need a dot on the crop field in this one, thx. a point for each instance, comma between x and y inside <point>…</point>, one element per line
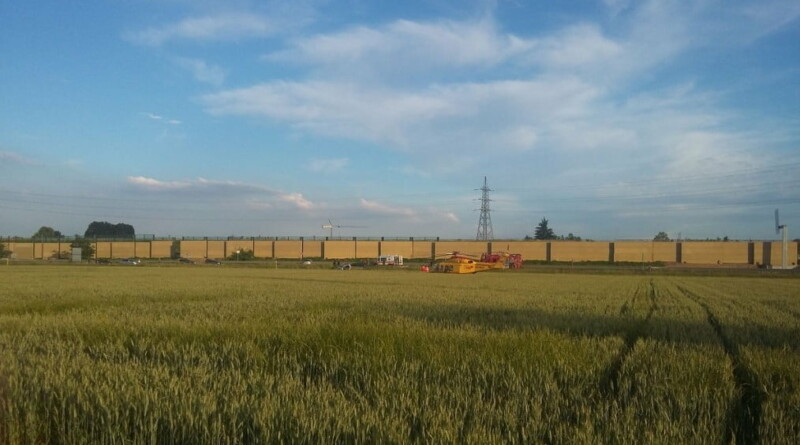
<point>225,355</point>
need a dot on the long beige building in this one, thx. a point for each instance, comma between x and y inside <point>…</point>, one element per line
<point>688,252</point>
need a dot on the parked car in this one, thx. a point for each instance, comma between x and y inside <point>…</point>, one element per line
<point>102,261</point>
<point>213,261</point>
<point>130,261</point>
<point>185,260</point>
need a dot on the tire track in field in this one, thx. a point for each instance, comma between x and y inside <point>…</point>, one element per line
<point>5,418</point>
<point>609,382</point>
<point>745,415</point>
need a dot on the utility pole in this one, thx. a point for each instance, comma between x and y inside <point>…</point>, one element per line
<point>485,221</point>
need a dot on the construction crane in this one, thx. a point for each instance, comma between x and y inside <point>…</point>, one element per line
<point>330,226</point>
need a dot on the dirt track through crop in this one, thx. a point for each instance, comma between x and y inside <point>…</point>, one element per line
<point>745,414</point>
<point>609,381</point>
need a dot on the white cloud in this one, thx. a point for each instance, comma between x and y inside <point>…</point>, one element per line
<point>327,165</point>
<point>406,44</point>
<point>199,186</point>
<point>230,26</point>
<point>253,195</point>
<point>577,46</point>
<point>297,200</point>
<point>384,209</point>
<point>487,116</point>
<point>156,185</point>
<point>707,153</point>
<point>160,118</point>
<point>617,6</point>
<point>575,93</point>
<point>416,216</point>
<point>202,71</point>
<point>450,216</point>
<point>155,117</point>
<point>9,157</point>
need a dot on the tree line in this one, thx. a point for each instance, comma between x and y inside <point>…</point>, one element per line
<point>544,232</point>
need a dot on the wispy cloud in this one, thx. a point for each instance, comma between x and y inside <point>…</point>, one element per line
<point>408,214</point>
<point>566,91</point>
<point>202,71</point>
<point>11,158</point>
<point>195,185</point>
<point>385,209</point>
<point>229,26</point>
<point>160,118</point>
<point>254,195</point>
<point>297,199</point>
<point>406,45</point>
<point>488,116</point>
<point>327,165</point>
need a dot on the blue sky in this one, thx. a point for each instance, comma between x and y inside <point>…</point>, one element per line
<point>614,119</point>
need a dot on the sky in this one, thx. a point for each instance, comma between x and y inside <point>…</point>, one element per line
<point>612,119</point>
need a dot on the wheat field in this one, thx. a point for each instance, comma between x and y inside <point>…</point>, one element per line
<point>223,355</point>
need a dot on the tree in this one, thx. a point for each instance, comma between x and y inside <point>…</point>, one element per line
<point>543,232</point>
<point>661,236</point>
<point>105,229</point>
<point>86,247</point>
<point>47,232</point>
<point>242,255</point>
<point>3,252</point>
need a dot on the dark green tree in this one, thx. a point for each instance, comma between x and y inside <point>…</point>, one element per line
<point>543,232</point>
<point>3,252</point>
<point>87,251</point>
<point>661,236</point>
<point>104,229</point>
<point>243,255</point>
<point>47,232</point>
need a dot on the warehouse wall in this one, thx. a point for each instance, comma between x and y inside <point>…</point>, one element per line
<point>312,249</point>
<point>193,249</point>
<point>102,249</point>
<point>692,252</point>
<point>634,251</point>
<point>289,249</point>
<point>215,249</point>
<point>773,253</point>
<point>50,250</point>
<point>530,250</point>
<point>421,249</point>
<point>468,247</point>
<point>735,252</point>
<point>243,244</point>
<point>701,252</point>
<point>579,251</point>
<point>123,250</point>
<point>366,249</point>
<point>665,251</point>
<point>404,248</point>
<point>340,249</point>
<point>160,249</point>
<point>142,250</point>
<point>23,251</point>
<point>262,249</point>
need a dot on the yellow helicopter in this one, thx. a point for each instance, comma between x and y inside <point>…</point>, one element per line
<point>462,263</point>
